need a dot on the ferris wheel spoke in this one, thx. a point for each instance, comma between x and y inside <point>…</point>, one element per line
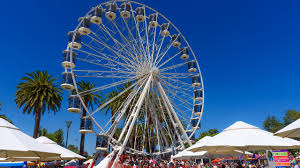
<point>168,60</point>
<point>175,95</point>
<point>127,42</point>
<point>112,49</point>
<point>165,50</point>
<point>172,67</point>
<point>177,75</point>
<point>104,57</point>
<point>133,39</point>
<point>103,72</point>
<point>178,88</point>
<point>128,50</point>
<point>158,52</point>
<point>184,84</point>
<point>105,66</point>
<point>139,35</point>
<point>115,52</point>
<point>147,29</point>
<point>106,86</point>
<point>104,76</point>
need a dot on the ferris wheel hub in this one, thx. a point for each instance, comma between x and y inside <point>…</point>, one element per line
<point>155,71</point>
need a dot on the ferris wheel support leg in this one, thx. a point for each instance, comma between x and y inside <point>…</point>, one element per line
<point>173,122</point>
<point>174,113</point>
<point>135,115</point>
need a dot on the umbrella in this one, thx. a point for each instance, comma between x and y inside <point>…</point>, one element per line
<point>292,130</point>
<point>65,154</point>
<point>245,137</point>
<point>15,143</point>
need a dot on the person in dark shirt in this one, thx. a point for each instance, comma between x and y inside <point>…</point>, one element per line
<point>239,165</point>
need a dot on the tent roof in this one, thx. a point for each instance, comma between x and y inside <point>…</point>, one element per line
<point>291,130</point>
<point>243,136</point>
<point>65,154</point>
<point>240,125</point>
<point>15,143</point>
<point>6,124</point>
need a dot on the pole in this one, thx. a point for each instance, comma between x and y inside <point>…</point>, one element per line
<point>68,123</point>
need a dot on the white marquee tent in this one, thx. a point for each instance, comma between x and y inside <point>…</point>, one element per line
<point>15,144</point>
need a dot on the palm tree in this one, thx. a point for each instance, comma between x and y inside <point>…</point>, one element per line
<point>90,99</point>
<point>4,116</point>
<point>37,93</point>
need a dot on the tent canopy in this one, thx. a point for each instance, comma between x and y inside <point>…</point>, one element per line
<point>15,143</point>
<point>65,154</point>
<point>244,137</point>
<point>292,130</point>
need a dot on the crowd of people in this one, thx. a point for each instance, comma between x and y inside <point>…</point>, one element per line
<point>173,163</point>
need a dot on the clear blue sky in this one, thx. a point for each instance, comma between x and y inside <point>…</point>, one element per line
<point>249,52</point>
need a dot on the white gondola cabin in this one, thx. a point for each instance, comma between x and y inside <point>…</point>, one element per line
<point>125,10</point>
<point>192,66</point>
<point>111,11</point>
<point>96,17</point>
<point>198,95</point>
<point>184,53</point>
<point>196,80</point>
<point>102,143</point>
<point>69,59</point>
<point>86,126</point>
<point>153,20</point>
<point>176,40</point>
<point>74,104</point>
<point>165,29</point>
<point>189,134</point>
<point>67,81</point>
<point>85,24</point>
<point>194,122</point>
<point>140,14</point>
<point>197,109</point>
<point>76,44</point>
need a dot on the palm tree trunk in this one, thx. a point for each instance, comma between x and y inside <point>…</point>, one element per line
<point>37,123</point>
<point>81,149</point>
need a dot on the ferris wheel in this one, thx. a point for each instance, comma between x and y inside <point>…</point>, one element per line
<point>132,50</point>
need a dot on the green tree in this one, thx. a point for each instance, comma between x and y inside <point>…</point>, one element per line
<point>290,116</point>
<point>73,148</point>
<point>42,132</point>
<point>272,124</point>
<point>37,93</point>
<point>57,136</point>
<point>210,132</point>
<point>4,116</point>
<point>91,97</point>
